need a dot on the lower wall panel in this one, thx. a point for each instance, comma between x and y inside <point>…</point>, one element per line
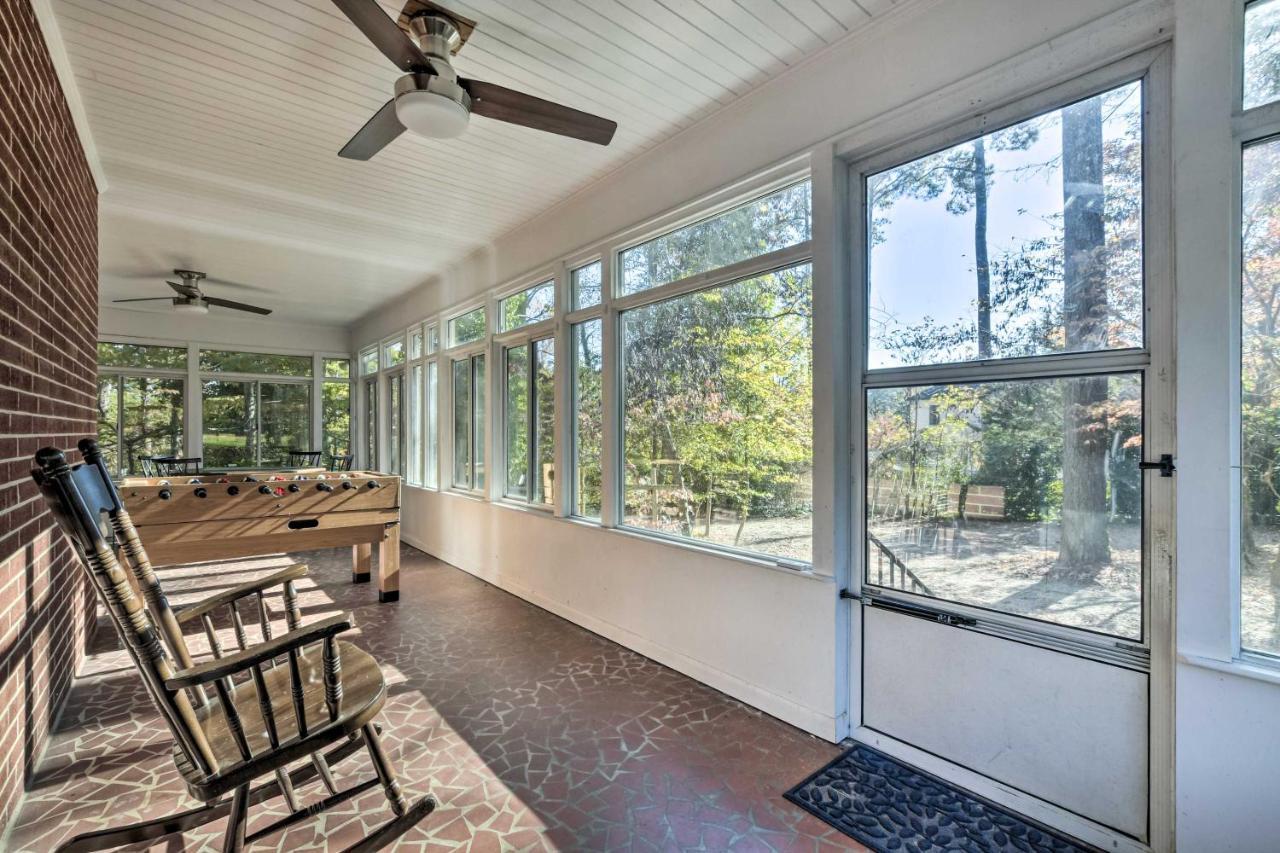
<point>757,634</point>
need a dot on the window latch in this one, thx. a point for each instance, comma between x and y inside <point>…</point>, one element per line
<point>1164,465</point>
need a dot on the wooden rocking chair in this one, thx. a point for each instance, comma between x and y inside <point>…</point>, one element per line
<point>238,717</point>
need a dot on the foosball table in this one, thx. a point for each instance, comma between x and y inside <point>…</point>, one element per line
<point>220,516</point>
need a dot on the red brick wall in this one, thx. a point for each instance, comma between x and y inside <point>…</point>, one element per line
<point>48,327</point>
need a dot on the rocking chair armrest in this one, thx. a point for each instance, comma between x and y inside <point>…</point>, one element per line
<point>219,668</point>
<point>235,593</point>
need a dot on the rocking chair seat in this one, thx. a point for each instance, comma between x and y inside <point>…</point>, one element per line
<point>363,694</point>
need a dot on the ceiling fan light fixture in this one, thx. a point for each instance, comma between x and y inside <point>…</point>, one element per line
<point>194,306</point>
<point>431,114</point>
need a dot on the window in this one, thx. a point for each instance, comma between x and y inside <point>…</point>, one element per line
<point>1261,53</point>
<point>254,423</point>
<point>962,269</point>
<point>371,424</point>
<point>776,221</point>
<point>414,473</point>
<point>433,340</point>
<point>718,415</point>
<point>586,282</point>
<point>139,416</point>
<point>431,476</point>
<point>337,368</point>
<point>468,327</point>
<point>530,421</point>
<point>369,361</point>
<point>468,422</point>
<point>415,342</point>
<point>393,353</point>
<point>141,356</point>
<point>1260,399</point>
<point>588,422</point>
<point>336,417</point>
<point>267,364</point>
<point>396,422</point>
<point>533,305</point>
<point>1021,496</point>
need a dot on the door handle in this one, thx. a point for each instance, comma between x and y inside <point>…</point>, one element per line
<point>926,613</point>
<point>1164,465</point>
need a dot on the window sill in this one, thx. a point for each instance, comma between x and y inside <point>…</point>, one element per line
<point>1236,667</point>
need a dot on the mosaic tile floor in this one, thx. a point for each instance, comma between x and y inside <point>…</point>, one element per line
<point>532,733</point>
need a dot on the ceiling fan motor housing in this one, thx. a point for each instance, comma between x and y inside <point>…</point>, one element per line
<point>433,104</point>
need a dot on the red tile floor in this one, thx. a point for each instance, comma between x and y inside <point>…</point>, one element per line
<point>532,733</point>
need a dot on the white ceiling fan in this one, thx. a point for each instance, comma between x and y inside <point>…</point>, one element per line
<point>191,300</point>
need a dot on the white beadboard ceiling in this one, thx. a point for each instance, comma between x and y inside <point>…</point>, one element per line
<point>218,126</point>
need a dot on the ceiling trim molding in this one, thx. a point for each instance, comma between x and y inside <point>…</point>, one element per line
<point>48,22</point>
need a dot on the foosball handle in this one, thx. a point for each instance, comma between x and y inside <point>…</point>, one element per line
<point>233,490</point>
<point>165,494</point>
<point>264,489</point>
<point>201,493</point>
<point>323,487</point>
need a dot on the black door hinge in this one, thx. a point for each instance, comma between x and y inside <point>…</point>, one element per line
<point>1164,465</point>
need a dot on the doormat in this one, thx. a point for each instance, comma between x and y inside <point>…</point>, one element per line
<point>894,808</point>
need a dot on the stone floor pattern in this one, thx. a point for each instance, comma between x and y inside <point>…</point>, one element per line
<point>532,733</point>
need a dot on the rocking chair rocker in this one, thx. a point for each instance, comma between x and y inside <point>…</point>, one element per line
<point>238,717</point>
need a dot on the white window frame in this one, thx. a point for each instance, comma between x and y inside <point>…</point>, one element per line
<point>121,373</point>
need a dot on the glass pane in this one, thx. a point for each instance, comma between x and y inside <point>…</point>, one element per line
<point>414,433</point>
<point>432,474</point>
<point>230,418</point>
<point>141,355</point>
<point>1021,496</point>
<point>1261,53</point>
<point>586,282</point>
<point>369,361</point>
<point>718,415</point>
<point>393,353</point>
<point>371,425</point>
<point>221,361</point>
<point>1260,399</point>
<point>433,340</point>
<point>286,421</point>
<point>336,404</point>
<point>517,421</point>
<point>395,422</point>
<point>415,343</point>
<point>528,306</point>
<point>467,328</point>
<point>462,423</point>
<point>588,407</point>
<point>544,424</point>
<point>337,368</point>
<point>152,413</point>
<point>755,228</point>
<point>1022,242</point>
<point>479,419</point>
<point>109,420</point>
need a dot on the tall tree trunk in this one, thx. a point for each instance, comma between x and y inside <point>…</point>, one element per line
<point>1084,548</point>
<point>981,262</point>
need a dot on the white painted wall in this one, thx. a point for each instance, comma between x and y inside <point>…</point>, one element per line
<point>769,638</point>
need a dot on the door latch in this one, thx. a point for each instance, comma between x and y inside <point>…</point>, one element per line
<point>1164,465</point>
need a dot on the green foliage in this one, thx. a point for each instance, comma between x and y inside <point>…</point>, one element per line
<point>141,356</point>
<point>265,364</point>
<point>468,327</point>
<point>528,306</point>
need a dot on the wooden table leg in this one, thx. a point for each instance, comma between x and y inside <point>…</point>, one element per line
<point>389,565</point>
<point>361,562</point>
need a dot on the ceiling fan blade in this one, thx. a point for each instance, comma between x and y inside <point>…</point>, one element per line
<point>186,290</point>
<point>147,299</point>
<point>238,306</point>
<point>375,135</point>
<point>509,105</point>
<point>385,35</point>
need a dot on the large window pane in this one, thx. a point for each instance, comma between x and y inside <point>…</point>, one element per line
<point>1261,53</point>
<point>1025,241</point>
<point>395,422</point>
<point>1260,399</point>
<point>371,424</point>
<point>462,411</point>
<point>369,361</point>
<point>528,306</point>
<point>467,327</point>
<point>414,430</point>
<point>478,418</point>
<point>222,361</point>
<point>141,355</point>
<point>109,420</point>
<point>588,425</point>
<point>1021,496</point>
<point>431,477</point>
<point>544,420</point>
<point>393,353</point>
<point>230,423</point>
<point>285,421</point>
<point>336,414</point>
<point>152,411</point>
<point>767,224</point>
<point>337,368</point>
<point>517,421</point>
<point>718,415</point>
<point>585,283</point>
